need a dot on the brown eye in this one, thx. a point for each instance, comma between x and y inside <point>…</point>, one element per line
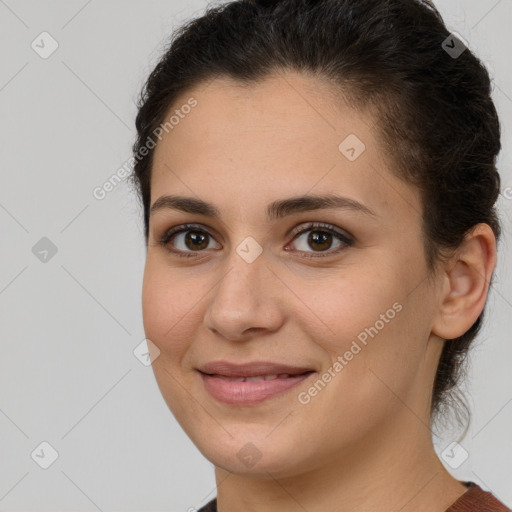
<point>185,240</point>
<point>320,239</point>
<point>196,240</point>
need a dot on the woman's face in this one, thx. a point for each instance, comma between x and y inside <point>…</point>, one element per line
<point>338,290</point>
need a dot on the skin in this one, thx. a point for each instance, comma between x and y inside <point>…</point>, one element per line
<point>363,442</point>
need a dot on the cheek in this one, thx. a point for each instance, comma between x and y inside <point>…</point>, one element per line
<point>167,306</point>
<point>169,315</point>
<point>350,307</point>
<point>370,328</point>
<point>371,362</point>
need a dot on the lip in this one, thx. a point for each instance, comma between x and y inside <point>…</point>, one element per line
<point>219,381</point>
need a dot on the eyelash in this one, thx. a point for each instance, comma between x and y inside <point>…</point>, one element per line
<point>311,226</point>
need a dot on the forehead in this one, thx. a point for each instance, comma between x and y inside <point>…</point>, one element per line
<point>284,111</point>
<point>285,135</point>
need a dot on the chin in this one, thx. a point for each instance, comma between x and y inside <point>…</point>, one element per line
<point>254,455</point>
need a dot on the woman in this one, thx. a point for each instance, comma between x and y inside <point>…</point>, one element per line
<point>318,182</point>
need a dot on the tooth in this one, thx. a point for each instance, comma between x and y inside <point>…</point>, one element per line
<point>283,376</point>
<point>230,379</point>
<point>254,379</point>
<point>270,377</point>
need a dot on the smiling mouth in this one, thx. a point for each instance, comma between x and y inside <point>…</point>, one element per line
<point>251,390</point>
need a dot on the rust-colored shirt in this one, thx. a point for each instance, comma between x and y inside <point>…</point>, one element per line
<point>475,499</point>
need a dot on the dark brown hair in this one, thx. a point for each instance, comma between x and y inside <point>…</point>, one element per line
<point>437,122</point>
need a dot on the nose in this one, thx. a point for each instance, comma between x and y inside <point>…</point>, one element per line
<point>245,301</point>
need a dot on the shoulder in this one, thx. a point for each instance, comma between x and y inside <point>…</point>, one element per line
<point>475,499</point>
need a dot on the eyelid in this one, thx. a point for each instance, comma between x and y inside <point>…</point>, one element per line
<point>311,226</point>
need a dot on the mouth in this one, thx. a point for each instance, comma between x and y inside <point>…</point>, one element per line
<point>251,383</point>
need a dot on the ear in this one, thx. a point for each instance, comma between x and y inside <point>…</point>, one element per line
<point>465,283</point>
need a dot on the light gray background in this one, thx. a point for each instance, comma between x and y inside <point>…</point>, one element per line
<point>68,327</point>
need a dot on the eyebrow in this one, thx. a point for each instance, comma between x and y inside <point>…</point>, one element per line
<point>275,210</point>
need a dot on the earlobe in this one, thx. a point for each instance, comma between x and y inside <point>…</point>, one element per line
<point>466,283</point>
